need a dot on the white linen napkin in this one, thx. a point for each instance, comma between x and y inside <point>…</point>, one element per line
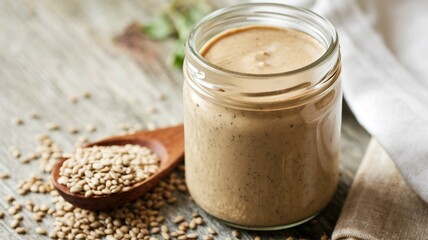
<point>384,46</point>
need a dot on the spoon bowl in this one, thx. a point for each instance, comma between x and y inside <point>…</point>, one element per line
<point>167,143</point>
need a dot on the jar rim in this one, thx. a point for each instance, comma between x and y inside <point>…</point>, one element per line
<point>331,49</point>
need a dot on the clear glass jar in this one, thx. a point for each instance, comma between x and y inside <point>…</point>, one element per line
<point>262,149</point>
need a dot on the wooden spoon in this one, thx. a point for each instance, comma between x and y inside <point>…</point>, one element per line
<point>167,143</point>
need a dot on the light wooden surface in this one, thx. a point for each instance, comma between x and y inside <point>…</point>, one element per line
<point>51,50</point>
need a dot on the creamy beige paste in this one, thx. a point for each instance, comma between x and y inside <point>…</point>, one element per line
<point>262,169</point>
<point>262,50</point>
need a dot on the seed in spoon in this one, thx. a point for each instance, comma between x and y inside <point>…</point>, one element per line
<point>119,167</point>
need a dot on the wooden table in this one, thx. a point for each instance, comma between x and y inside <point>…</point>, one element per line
<point>54,50</point>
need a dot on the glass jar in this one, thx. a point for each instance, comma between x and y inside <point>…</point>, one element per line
<point>262,149</point>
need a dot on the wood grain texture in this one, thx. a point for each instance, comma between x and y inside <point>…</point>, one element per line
<point>52,50</point>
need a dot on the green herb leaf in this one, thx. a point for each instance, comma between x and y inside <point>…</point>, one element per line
<point>177,20</point>
<point>177,58</point>
<point>160,29</point>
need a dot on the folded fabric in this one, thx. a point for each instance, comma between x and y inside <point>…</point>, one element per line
<point>385,76</point>
<point>380,205</point>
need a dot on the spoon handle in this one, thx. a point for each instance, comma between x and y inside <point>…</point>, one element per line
<point>170,139</point>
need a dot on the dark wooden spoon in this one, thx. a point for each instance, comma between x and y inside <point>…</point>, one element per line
<point>167,143</point>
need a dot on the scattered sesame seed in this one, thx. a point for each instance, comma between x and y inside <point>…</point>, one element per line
<point>212,231</point>
<point>74,99</point>
<point>162,96</point>
<point>183,237</point>
<point>34,116</point>
<point>4,175</point>
<point>164,229</point>
<point>91,128</point>
<point>87,94</point>
<point>178,219</point>
<point>17,121</point>
<point>191,236</point>
<point>21,230</point>
<point>324,237</point>
<point>52,127</point>
<point>15,223</point>
<point>38,216</point>
<point>199,221</point>
<point>236,234</point>
<point>165,236</point>
<point>73,130</point>
<point>192,224</point>
<point>155,230</point>
<point>41,231</point>
<point>18,216</point>
<point>14,151</point>
<point>9,198</point>
<point>153,110</point>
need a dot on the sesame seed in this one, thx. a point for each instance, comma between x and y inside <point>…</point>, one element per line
<point>73,130</point>
<point>87,94</point>
<point>17,121</point>
<point>4,175</point>
<point>236,234</point>
<point>178,219</point>
<point>165,236</point>
<point>40,231</point>
<point>52,126</point>
<point>15,223</point>
<point>74,99</point>
<point>191,236</point>
<point>211,231</point>
<point>9,198</point>
<point>21,230</point>
<point>91,128</point>
<point>155,230</point>
<point>34,116</point>
<point>18,216</point>
<point>199,221</point>
<point>161,96</point>
<point>164,229</point>
<point>15,152</point>
<point>153,110</point>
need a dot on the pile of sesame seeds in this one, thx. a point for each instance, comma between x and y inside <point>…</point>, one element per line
<point>103,170</point>
<point>140,219</point>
